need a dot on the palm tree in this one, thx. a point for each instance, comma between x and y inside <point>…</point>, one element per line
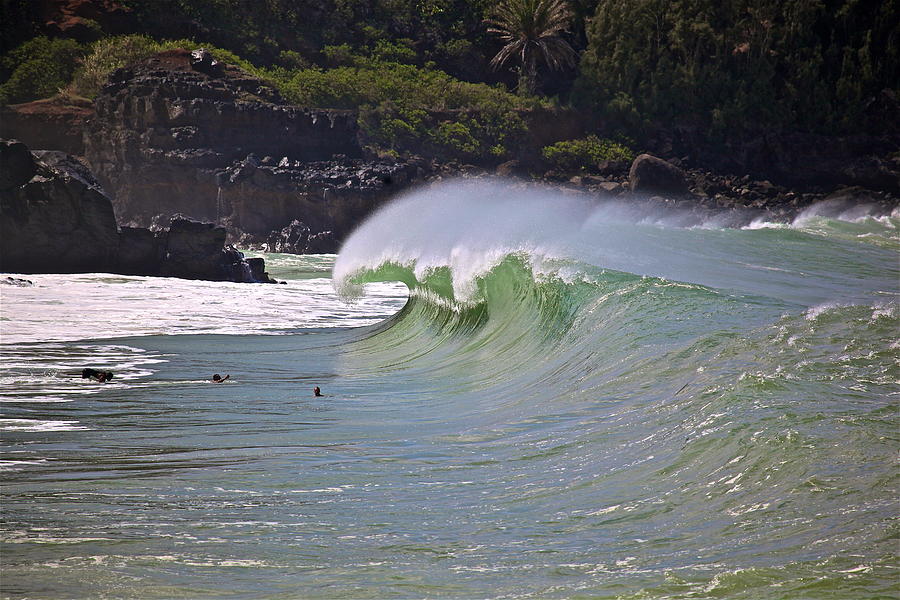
<point>532,30</point>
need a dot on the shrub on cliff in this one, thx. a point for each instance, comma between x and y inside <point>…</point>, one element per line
<point>370,80</point>
<point>108,54</point>
<point>486,134</point>
<point>40,68</point>
<point>405,107</point>
<point>585,153</point>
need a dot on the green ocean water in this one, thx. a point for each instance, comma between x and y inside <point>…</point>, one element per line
<point>575,401</point>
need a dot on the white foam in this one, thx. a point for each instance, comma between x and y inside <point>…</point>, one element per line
<point>38,425</point>
<point>814,312</point>
<point>469,227</point>
<point>63,307</point>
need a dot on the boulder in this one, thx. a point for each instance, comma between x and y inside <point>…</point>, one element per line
<point>652,175</point>
<point>512,168</point>
<point>141,251</point>
<point>202,60</point>
<point>194,250</point>
<point>257,271</point>
<point>611,187</point>
<point>54,221</point>
<point>297,238</point>
<point>58,220</point>
<point>16,164</point>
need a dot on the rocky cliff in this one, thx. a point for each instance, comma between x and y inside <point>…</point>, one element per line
<point>180,133</point>
<point>56,123</point>
<point>55,218</point>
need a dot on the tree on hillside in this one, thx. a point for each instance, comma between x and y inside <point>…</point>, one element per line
<point>532,31</point>
<point>735,67</point>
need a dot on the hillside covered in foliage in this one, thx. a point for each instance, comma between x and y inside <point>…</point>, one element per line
<point>453,78</point>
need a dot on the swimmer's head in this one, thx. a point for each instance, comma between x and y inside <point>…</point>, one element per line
<point>217,377</point>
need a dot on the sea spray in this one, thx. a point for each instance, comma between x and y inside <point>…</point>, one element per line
<point>470,227</point>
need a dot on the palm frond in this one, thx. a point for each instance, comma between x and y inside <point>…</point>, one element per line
<point>532,26</point>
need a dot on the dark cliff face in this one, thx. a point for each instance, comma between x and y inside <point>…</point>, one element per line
<point>327,196</point>
<point>55,123</point>
<point>168,134</point>
<point>53,217</point>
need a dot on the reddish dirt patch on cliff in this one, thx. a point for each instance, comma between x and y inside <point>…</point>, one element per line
<point>180,59</point>
<point>57,105</point>
<point>170,60</point>
<point>79,18</point>
<point>51,124</point>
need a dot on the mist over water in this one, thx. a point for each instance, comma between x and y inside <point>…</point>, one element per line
<point>561,399</point>
<point>471,227</point>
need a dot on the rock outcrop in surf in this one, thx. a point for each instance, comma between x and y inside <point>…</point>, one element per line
<point>56,218</point>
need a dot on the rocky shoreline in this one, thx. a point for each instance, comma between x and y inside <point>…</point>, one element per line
<point>55,218</point>
<point>179,134</point>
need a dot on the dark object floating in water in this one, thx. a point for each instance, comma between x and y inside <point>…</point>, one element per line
<point>101,376</point>
<point>17,282</point>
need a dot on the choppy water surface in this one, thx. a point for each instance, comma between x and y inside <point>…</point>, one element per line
<point>574,401</point>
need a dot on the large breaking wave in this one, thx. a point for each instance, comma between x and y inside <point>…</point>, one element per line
<point>723,391</point>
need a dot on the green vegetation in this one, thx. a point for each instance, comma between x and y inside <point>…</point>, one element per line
<point>584,154</point>
<point>374,79</point>
<point>107,55</point>
<point>489,134</point>
<point>413,108</point>
<point>432,76</point>
<point>737,66</point>
<point>532,33</point>
<point>39,68</point>
<point>447,32</point>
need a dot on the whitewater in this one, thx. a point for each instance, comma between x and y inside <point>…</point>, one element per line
<point>527,394</point>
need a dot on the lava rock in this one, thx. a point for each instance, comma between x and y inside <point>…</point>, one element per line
<point>16,164</point>
<point>650,174</point>
<point>53,221</point>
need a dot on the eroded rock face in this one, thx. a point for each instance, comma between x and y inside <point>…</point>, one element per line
<point>55,218</point>
<point>55,123</point>
<point>165,127</point>
<point>653,175</point>
<point>54,221</point>
<point>327,196</point>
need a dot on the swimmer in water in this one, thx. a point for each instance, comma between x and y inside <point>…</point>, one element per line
<point>101,376</point>
<point>219,379</point>
<point>317,391</point>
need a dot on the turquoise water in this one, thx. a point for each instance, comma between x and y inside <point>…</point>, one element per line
<point>574,401</point>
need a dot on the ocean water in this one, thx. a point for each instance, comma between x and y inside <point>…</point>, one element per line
<point>525,396</point>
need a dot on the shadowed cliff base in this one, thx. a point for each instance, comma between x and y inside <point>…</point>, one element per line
<point>55,218</point>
